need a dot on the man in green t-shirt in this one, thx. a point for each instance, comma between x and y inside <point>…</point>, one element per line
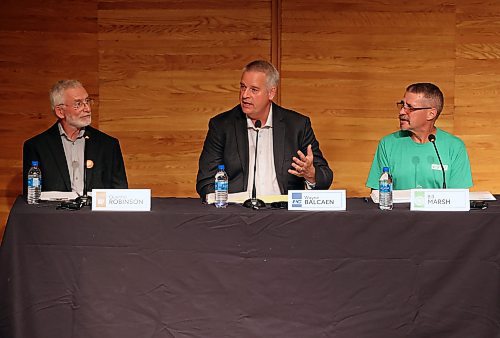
<point>410,155</point>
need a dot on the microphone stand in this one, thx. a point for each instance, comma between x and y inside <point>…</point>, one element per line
<point>254,202</point>
<point>85,199</point>
<point>432,139</point>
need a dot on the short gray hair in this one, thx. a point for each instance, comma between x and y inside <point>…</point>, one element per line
<point>431,92</point>
<point>56,93</point>
<point>266,67</point>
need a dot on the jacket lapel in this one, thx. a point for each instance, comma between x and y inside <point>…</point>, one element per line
<point>57,150</point>
<point>240,129</point>
<point>279,145</point>
<point>91,147</point>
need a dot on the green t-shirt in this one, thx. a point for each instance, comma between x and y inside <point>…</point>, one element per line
<point>416,165</point>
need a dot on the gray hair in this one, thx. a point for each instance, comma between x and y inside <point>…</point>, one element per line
<point>272,75</point>
<point>56,93</point>
<point>431,92</point>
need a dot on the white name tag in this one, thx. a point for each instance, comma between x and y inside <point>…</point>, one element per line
<point>316,200</point>
<point>438,167</point>
<point>439,200</point>
<point>121,199</point>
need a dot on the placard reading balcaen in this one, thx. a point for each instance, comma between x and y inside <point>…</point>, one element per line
<point>316,200</point>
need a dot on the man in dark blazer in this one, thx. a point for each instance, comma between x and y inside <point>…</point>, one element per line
<point>62,149</point>
<point>295,158</point>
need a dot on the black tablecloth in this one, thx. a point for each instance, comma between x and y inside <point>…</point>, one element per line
<point>191,270</point>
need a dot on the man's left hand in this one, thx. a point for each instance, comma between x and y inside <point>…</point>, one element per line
<point>303,165</point>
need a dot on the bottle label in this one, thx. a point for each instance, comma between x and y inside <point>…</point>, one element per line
<point>385,187</point>
<point>221,185</point>
<point>34,182</point>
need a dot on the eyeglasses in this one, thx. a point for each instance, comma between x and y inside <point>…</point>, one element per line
<point>79,104</point>
<point>409,109</point>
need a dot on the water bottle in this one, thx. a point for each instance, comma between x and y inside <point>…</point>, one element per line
<point>34,183</point>
<point>385,190</point>
<point>221,187</point>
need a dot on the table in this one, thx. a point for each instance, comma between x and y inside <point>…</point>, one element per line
<point>190,270</point>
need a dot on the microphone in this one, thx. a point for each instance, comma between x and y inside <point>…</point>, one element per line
<point>85,200</point>
<point>432,139</point>
<point>254,202</point>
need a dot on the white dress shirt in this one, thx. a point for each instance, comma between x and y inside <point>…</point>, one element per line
<point>266,182</point>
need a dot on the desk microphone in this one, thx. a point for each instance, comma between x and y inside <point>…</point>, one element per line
<point>432,139</point>
<point>254,202</point>
<point>85,199</point>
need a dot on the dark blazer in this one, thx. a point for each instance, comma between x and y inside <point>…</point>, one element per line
<point>47,148</point>
<point>227,143</point>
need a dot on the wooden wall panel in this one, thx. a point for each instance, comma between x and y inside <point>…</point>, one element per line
<point>165,68</point>
<point>477,84</point>
<point>345,64</point>
<point>40,43</point>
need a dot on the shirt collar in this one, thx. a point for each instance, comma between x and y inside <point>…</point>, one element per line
<point>63,133</point>
<point>269,122</point>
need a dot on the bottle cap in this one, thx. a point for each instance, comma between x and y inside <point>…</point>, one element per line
<point>34,163</point>
<point>385,169</point>
<point>220,167</point>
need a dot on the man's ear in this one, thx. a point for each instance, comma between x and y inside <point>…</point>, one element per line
<point>272,93</point>
<point>58,110</point>
<point>432,114</point>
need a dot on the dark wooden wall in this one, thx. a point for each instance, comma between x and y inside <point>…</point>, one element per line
<point>161,69</point>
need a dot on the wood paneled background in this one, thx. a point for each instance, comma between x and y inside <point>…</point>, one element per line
<point>161,69</point>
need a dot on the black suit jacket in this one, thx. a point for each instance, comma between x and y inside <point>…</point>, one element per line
<point>227,143</point>
<point>47,148</point>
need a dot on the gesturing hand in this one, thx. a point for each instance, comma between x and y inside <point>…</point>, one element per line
<point>303,165</point>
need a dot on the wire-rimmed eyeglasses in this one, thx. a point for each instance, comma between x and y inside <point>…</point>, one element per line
<point>409,109</point>
<point>79,104</point>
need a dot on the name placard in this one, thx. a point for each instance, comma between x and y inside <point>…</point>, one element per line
<point>439,200</point>
<point>121,199</point>
<point>317,200</point>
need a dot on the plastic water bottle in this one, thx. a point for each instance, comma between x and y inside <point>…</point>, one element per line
<point>221,187</point>
<point>385,190</point>
<point>34,183</point>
